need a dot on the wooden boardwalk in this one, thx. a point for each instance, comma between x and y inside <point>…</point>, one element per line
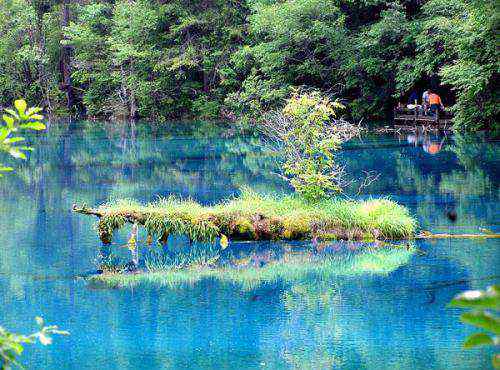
<point>407,116</point>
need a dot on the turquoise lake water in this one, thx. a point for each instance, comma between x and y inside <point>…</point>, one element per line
<point>391,319</point>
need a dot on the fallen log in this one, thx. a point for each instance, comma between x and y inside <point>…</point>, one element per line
<point>258,228</point>
<point>457,236</point>
<point>255,217</point>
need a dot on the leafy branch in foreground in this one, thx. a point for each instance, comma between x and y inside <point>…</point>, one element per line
<point>12,345</point>
<point>15,120</point>
<point>305,135</point>
<point>482,316</point>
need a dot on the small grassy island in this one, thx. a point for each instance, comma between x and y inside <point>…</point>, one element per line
<point>304,135</point>
<point>257,217</point>
<point>251,217</point>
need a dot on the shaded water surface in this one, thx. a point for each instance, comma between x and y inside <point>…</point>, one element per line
<point>395,317</point>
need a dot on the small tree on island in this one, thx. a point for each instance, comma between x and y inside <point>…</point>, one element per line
<point>305,135</point>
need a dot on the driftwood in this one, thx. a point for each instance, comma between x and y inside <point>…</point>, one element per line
<point>457,236</point>
<point>131,217</point>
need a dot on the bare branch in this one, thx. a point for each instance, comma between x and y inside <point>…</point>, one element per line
<point>370,177</point>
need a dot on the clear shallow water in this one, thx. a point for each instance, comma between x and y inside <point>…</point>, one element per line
<point>374,321</point>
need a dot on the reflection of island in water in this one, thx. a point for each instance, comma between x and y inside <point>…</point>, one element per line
<point>308,279</point>
<point>333,305</point>
<point>253,264</point>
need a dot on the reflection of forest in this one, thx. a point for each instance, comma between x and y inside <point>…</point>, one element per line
<point>144,161</point>
<point>307,321</point>
<point>348,322</point>
<point>192,160</point>
<point>462,176</point>
<point>314,322</point>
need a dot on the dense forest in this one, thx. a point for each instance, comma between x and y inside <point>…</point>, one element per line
<point>215,59</point>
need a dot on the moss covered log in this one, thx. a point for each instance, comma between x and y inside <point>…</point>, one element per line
<point>257,217</point>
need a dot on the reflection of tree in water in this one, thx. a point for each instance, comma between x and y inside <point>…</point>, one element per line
<point>309,286</point>
<point>346,322</point>
<point>317,332</point>
<point>91,162</point>
<point>473,153</point>
<point>129,158</point>
<point>402,313</point>
<point>453,179</point>
<point>311,308</point>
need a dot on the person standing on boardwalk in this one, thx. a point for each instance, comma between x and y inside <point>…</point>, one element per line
<point>435,103</point>
<point>425,101</point>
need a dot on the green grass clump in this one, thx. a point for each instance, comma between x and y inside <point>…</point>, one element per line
<point>253,216</point>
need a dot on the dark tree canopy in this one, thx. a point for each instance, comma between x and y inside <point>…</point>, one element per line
<point>213,59</point>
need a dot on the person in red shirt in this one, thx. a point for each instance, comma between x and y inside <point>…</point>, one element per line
<point>435,103</point>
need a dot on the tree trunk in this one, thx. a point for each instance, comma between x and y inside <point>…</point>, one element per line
<point>206,82</point>
<point>42,70</point>
<point>65,58</point>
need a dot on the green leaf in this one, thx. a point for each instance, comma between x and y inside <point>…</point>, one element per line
<point>9,120</point>
<point>12,140</point>
<point>33,110</point>
<point>224,242</point>
<point>16,153</point>
<point>21,106</point>
<point>489,299</point>
<point>483,320</point>
<point>16,348</point>
<point>6,169</point>
<point>33,126</point>
<point>478,339</point>
<point>12,112</point>
<point>4,132</point>
<point>36,116</point>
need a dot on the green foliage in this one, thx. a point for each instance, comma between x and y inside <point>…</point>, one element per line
<point>376,62</point>
<point>485,306</point>
<point>292,43</point>
<point>25,60</point>
<point>235,59</point>
<point>313,173</point>
<point>255,97</point>
<point>12,344</point>
<point>15,120</point>
<point>154,60</point>
<point>305,135</point>
<point>457,42</point>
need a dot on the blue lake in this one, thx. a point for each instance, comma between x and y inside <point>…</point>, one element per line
<point>371,321</point>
